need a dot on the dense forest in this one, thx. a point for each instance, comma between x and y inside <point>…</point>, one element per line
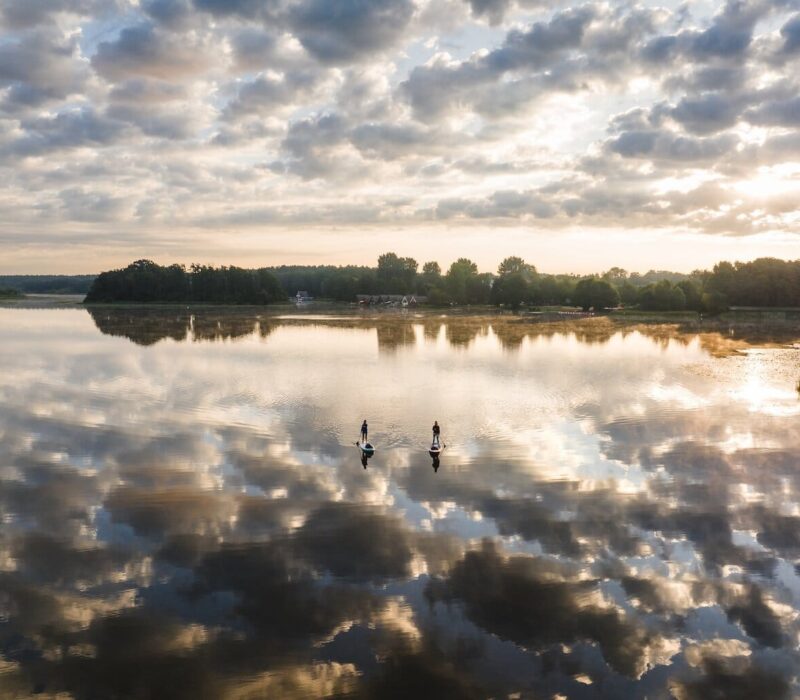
<point>766,282</point>
<point>48,284</point>
<point>145,281</point>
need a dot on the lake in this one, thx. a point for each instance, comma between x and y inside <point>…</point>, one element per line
<point>185,513</point>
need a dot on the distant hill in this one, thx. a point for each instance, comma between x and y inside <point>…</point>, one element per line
<point>48,284</point>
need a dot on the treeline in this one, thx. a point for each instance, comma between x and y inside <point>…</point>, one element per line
<point>461,284</point>
<point>48,284</point>
<point>766,282</point>
<point>145,281</point>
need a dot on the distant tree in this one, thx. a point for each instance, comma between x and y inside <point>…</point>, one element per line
<point>432,269</point>
<point>662,296</point>
<point>714,302</point>
<point>628,293</point>
<point>342,286</point>
<point>516,265</point>
<point>510,289</point>
<point>459,277</point>
<point>396,275</point>
<point>595,293</point>
<point>693,294</point>
<point>431,277</point>
<point>616,275</point>
<point>722,279</point>
<point>555,289</point>
<point>145,281</point>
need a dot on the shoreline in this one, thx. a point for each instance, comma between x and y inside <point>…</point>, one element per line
<point>726,333</point>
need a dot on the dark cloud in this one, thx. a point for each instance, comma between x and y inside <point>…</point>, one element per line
<point>19,15</point>
<point>142,91</point>
<point>493,10</point>
<point>39,67</point>
<point>342,31</point>
<point>563,54</point>
<point>255,48</point>
<point>80,204</point>
<point>738,679</point>
<point>791,35</point>
<point>388,141</point>
<point>278,598</point>
<point>267,94</point>
<point>756,617</point>
<point>249,9</point>
<point>175,14</point>
<point>784,113</point>
<point>143,50</point>
<point>356,542</point>
<point>707,114</point>
<point>544,608</point>
<point>46,559</point>
<point>66,130</point>
<point>727,38</point>
<point>668,146</point>
<point>171,511</point>
<point>310,144</point>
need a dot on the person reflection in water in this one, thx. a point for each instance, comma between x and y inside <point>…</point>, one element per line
<point>364,460</point>
<point>435,464</point>
<point>364,431</point>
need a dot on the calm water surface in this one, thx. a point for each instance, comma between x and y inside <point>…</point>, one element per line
<point>185,513</point>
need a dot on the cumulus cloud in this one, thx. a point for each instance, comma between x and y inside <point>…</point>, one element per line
<point>64,131</point>
<point>39,67</point>
<point>143,50</point>
<point>21,15</point>
<point>342,31</point>
<point>475,110</point>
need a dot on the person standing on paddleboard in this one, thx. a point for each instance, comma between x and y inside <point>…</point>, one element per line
<point>364,431</point>
<point>436,431</point>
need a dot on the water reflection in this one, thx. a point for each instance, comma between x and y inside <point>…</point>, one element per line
<point>616,514</point>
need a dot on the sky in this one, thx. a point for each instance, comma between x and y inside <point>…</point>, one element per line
<point>259,132</point>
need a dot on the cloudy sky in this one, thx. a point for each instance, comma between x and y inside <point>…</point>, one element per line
<point>650,135</point>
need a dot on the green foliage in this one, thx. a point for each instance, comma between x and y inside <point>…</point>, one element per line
<point>516,284</point>
<point>628,293</point>
<point>432,270</point>
<point>48,284</point>
<point>616,275</point>
<point>396,275</point>
<point>762,282</point>
<point>511,289</point>
<point>145,281</point>
<point>464,285</point>
<point>655,276</point>
<point>595,293</point>
<point>693,294</point>
<point>516,265</point>
<point>7,293</point>
<point>766,282</point>
<point>714,302</point>
<point>662,296</point>
<point>430,278</point>
<point>555,289</point>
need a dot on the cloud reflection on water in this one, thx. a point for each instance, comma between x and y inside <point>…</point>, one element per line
<point>612,517</point>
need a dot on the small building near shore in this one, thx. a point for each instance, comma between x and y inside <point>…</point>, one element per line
<point>390,299</point>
